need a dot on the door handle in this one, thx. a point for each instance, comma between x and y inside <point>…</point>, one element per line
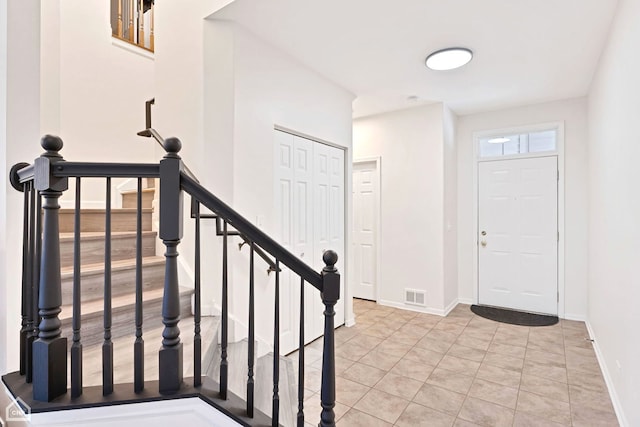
<point>483,243</point>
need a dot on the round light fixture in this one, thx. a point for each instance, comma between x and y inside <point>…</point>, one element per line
<point>448,59</point>
<point>499,140</point>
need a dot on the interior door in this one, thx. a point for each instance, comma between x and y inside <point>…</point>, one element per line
<point>364,229</point>
<point>309,195</point>
<point>518,234</point>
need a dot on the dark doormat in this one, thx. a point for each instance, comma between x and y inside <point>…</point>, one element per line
<point>513,317</point>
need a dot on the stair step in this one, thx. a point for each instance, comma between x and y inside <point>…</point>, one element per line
<point>123,316</point>
<point>130,198</point>
<point>93,220</point>
<point>123,278</point>
<point>123,246</point>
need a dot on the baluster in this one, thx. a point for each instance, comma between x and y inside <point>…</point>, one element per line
<point>35,289</point>
<point>330,296</point>
<point>76,347</point>
<point>131,15</point>
<point>197,344</point>
<point>107,345</point>
<point>275,410</point>
<point>301,359</point>
<point>50,349</point>
<point>140,23</point>
<point>138,346</point>
<point>251,335</point>
<point>224,364</point>
<point>171,204</point>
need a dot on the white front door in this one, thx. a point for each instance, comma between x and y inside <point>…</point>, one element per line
<point>365,227</point>
<point>518,234</point>
<point>309,197</point>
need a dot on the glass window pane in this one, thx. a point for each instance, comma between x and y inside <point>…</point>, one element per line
<point>534,142</point>
<point>542,141</point>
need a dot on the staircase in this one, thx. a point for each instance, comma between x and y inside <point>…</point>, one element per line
<point>123,269</point>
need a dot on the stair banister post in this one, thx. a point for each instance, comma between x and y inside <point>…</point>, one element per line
<point>171,212</point>
<point>330,296</point>
<point>50,349</point>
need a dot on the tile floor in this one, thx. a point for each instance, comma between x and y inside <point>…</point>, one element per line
<point>407,369</point>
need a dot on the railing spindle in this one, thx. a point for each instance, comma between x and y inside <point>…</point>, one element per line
<point>138,346</point>
<point>50,349</point>
<point>224,364</point>
<point>197,339</point>
<point>301,359</point>
<point>76,347</point>
<point>107,345</point>
<point>250,382</point>
<point>275,410</point>
<point>37,236</point>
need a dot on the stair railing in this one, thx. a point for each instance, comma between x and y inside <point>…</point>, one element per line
<point>42,379</point>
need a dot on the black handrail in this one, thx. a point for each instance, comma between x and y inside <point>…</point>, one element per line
<point>253,233</point>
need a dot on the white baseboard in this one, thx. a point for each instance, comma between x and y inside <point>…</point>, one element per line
<point>615,400</point>
<point>419,309</point>
<point>350,322</point>
<point>467,301</point>
<point>450,307</point>
<point>576,317</point>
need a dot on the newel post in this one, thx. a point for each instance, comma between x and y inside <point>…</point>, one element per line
<point>330,296</point>
<point>170,355</point>
<point>50,349</point>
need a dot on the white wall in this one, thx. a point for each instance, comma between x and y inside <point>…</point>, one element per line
<point>410,144</point>
<point>574,115</point>
<point>614,206</point>
<point>93,90</point>
<point>450,226</point>
<point>19,136</point>
<point>273,89</point>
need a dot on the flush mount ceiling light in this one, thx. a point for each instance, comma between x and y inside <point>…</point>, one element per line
<point>448,59</point>
<point>499,140</point>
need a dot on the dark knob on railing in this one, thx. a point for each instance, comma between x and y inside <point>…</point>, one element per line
<point>172,145</point>
<point>51,143</point>
<point>330,259</point>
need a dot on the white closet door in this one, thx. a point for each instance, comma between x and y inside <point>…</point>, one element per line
<point>310,206</point>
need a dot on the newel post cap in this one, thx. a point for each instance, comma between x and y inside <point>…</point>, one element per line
<point>172,146</point>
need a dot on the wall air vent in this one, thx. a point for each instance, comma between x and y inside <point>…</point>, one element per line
<point>414,297</point>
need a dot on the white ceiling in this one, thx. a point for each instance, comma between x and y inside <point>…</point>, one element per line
<point>525,51</point>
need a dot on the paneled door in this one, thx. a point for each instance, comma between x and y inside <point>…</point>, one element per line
<point>518,234</point>
<point>365,228</point>
<point>309,195</point>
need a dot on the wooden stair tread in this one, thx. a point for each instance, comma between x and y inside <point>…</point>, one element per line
<point>96,306</point>
<point>102,210</point>
<point>115,266</point>
<point>144,190</point>
<point>98,235</point>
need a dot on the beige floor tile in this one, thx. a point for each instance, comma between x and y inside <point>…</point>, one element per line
<point>394,348</point>
<point>399,386</point>
<point>341,364</point>
<point>544,407</point>
<point>450,380</point>
<point>454,328</point>
<point>413,330</point>
<point>551,372</point>
<point>598,400</point>
<point>504,361</point>
<point>382,405</point>
<point>410,369</point>
<point>469,340</point>
<point>494,393</point>
<point>423,356</point>
<point>509,350</point>
<point>366,341</point>
<point>439,399</point>
<point>433,344</point>
<point>363,374</point>
<point>545,387</point>
<point>556,347</point>
<point>420,416</point>
<point>349,392</point>
<point>351,351</point>
<point>378,359</point>
<point>312,379</point>
<point>586,364</point>
<point>459,365</point>
<point>522,419</point>
<point>469,353</point>
<point>443,336</point>
<point>511,339</point>
<point>546,357</point>
<point>585,416</point>
<point>499,375</point>
<point>463,423</point>
<point>588,382</point>
<point>378,331</point>
<point>486,413</point>
<point>355,418</point>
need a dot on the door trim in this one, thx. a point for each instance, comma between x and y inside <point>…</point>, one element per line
<point>559,127</point>
<point>378,200</point>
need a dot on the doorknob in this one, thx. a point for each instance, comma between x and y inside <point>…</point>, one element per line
<point>483,243</point>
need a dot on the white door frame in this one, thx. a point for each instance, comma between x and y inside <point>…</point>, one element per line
<point>378,198</point>
<point>559,127</point>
